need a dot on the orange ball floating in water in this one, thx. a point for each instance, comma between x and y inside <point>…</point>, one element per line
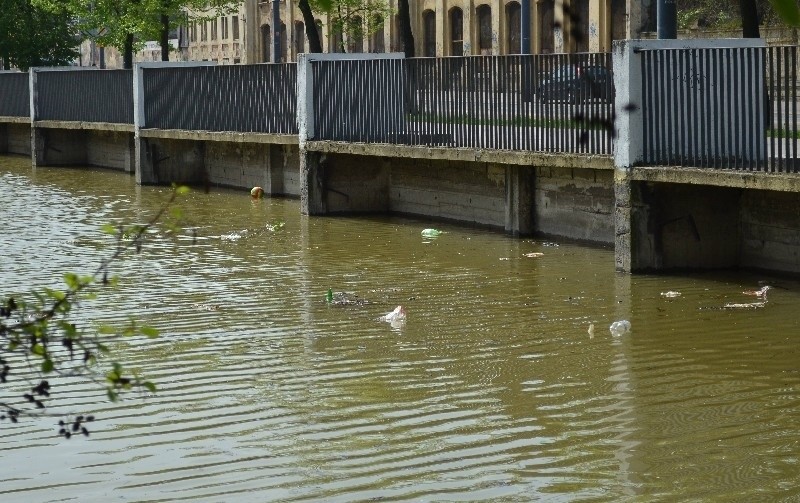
<point>256,192</point>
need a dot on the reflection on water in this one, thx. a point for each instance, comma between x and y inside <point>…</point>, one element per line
<point>492,390</point>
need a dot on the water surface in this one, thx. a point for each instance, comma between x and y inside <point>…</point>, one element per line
<point>493,390</point>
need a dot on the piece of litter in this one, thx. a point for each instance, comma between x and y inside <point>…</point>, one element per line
<point>748,305</point>
<point>670,294</point>
<point>399,314</point>
<point>534,254</point>
<point>762,292</point>
<point>621,327</point>
<point>591,330</point>
<point>431,233</point>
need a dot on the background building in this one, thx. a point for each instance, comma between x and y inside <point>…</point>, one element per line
<point>441,28</point>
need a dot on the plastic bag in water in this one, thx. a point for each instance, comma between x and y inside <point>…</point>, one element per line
<point>620,327</point>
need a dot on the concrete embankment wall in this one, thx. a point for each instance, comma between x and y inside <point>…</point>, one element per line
<point>74,146</point>
<point>247,165</point>
<point>770,230</point>
<point>686,226</point>
<point>574,203</point>
<point>15,138</point>
<point>233,164</point>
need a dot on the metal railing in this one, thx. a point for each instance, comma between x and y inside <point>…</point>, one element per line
<point>85,95</point>
<point>727,108</point>
<point>15,97</point>
<point>545,103</point>
<point>242,98</point>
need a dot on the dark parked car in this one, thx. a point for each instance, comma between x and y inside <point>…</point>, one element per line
<point>576,84</point>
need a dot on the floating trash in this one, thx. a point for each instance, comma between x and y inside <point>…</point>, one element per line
<point>256,192</point>
<point>534,254</point>
<point>591,330</point>
<point>620,327</point>
<point>762,292</point>
<point>670,294</point>
<point>395,317</point>
<point>431,233</point>
<point>746,305</point>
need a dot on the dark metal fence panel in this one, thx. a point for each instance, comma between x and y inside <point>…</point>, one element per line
<point>242,98</point>
<point>727,108</point>
<point>782,96</point>
<point>546,103</point>
<point>15,98</point>
<point>85,95</point>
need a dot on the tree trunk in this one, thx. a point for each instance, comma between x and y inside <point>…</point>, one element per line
<point>312,34</point>
<point>406,35</point>
<point>749,13</point>
<point>164,37</point>
<point>128,52</point>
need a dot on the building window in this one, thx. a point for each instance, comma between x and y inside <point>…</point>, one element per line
<point>484,13</point>
<point>456,32</point>
<point>429,34</point>
<point>546,10</point>
<point>266,42</point>
<point>376,43</point>
<point>235,27</point>
<point>355,35</point>
<point>214,29</point>
<point>299,37</point>
<point>318,23</point>
<point>224,24</point>
<point>203,31</point>
<point>514,27</point>
<point>336,43</point>
<point>283,49</point>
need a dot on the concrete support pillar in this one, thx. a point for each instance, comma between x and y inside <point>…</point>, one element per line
<point>250,30</point>
<point>312,184</point>
<point>145,170</point>
<point>599,25</point>
<point>497,31</point>
<point>622,221</point>
<point>469,29</point>
<point>519,200</point>
<point>38,147</point>
<point>441,22</point>
<point>3,138</point>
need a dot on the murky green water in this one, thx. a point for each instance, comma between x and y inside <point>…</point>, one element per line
<point>493,390</point>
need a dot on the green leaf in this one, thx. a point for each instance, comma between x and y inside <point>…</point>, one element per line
<point>106,330</point>
<point>47,366</point>
<point>788,10</point>
<point>149,332</point>
<point>182,190</point>
<point>112,395</point>
<point>150,386</point>
<point>109,229</point>
<point>38,350</point>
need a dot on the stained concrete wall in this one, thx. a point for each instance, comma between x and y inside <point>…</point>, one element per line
<point>110,149</point>
<point>15,139</point>
<point>234,164</point>
<point>162,161</point>
<point>58,147</point>
<point>273,167</point>
<point>770,230</point>
<point>683,226</point>
<point>575,203</point>
<point>467,192</point>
